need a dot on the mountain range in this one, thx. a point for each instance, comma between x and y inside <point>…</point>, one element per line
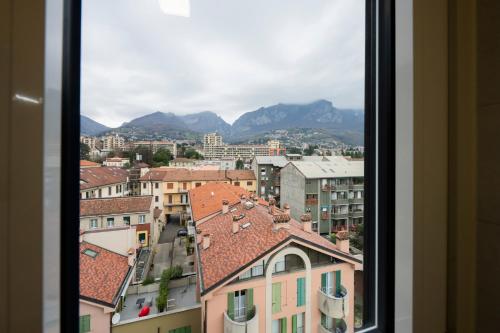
<point>341,123</point>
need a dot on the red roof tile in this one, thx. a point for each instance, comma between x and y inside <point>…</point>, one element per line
<point>94,177</point>
<point>102,277</point>
<point>207,199</point>
<point>181,174</point>
<point>119,205</point>
<point>229,252</point>
<point>85,163</point>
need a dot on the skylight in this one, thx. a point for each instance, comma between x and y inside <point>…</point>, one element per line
<point>90,253</point>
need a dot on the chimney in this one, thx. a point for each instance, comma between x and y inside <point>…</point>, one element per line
<point>342,241</point>
<point>306,222</point>
<point>206,241</point>
<point>131,257</point>
<point>281,221</point>
<point>243,199</point>
<point>272,203</point>
<point>286,208</point>
<point>236,227</point>
<point>225,206</point>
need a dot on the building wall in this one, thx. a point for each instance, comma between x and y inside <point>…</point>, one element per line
<point>93,192</point>
<point>292,190</point>
<point>100,322</point>
<point>118,240</point>
<point>217,301</point>
<point>119,222</point>
<point>163,323</point>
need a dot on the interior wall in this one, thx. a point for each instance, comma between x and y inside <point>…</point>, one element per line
<point>430,117</point>
<point>21,165</point>
<point>488,166</point>
<point>461,291</point>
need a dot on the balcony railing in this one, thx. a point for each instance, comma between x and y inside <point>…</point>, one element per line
<point>341,328</point>
<point>311,201</point>
<point>340,201</point>
<point>356,200</point>
<point>334,306</point>
<point>340,215</point>
<point>356,213</point>
<point>326,188</point>
<point>356,186</point>
<point>243,323</point>
<point>340,187</point>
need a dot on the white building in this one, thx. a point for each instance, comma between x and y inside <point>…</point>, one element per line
<point>119,162</point>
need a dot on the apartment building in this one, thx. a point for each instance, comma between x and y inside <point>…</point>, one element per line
<point>262,271</point>
<point>120,224</point>
<point>103,182</point>
<point>112,142</point>
<point>170,186</point>
<point>90,141</point>
<point>214,148</point>
<point>182,162</point>
<point>104,279</point>
<point>332,190</point>
<point>267,173</point>
<point>154,145</point>
<point>118,162</point>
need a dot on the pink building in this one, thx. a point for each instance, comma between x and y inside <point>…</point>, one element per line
<point>261,271</point>
<point>104,279</point>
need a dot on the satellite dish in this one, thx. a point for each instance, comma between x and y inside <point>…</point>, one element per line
<point>115,319</point>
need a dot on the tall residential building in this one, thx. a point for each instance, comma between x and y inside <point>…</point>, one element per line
<point>331,190</point>
<point>90,141</point>
<point>170,186</point>
<point>112,142</point>
<point>261,271</point>
<point>267,172</point>
<point>214,148</point>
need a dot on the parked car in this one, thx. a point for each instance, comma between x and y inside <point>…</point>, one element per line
<point>182,233</point>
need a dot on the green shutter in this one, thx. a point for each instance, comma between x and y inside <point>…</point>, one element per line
<point>283,325</point>
<point>323,281</point>
<point>276,297</point>
<point>301,291</point>
<point>249,299</point>
<point>337,282</point>
<point>230,305</point>
<point>294,324</point>
<point>84,323</point>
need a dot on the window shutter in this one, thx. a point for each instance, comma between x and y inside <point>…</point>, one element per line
<point>85,323</point>
<point>276,297</point>
<point>301,291</point>
<point>323,281</point>
<point>337,282</point>
<point>230,305</point>
<point>283,325</point>
<point>249,299</point>
<point>294,324</point>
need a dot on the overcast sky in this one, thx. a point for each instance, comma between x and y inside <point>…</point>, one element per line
<point>228,56</point>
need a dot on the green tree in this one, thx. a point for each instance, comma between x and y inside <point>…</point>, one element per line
<point>294,150</point>
<point>162,157</point>
<point>191,153</point>
<point>84,151</point>
<point>239,165</point>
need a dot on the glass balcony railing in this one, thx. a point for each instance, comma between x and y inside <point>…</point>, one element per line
<point>244,321</point>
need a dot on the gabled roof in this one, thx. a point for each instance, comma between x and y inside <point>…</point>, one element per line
<point>118,205</point>
<point>103,276</point>
<point>207,199</point>
<point>277,161</point>
<point>336,167</point>
<point>182,174</point>
<point>229,252</point>
<point>88,164</point>
<point>95,177</point>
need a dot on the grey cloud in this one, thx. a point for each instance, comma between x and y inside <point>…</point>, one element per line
<point>229,56</point>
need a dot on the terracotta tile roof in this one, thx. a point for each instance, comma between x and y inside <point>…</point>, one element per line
<point>87,164</point>
<point>229,252</point>
<point>207,199</point>
<point>119,205</point>
<point>182,174</point>
<point>102,277</point>
<point>94,177</point>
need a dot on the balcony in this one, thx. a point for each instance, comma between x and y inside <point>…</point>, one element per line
<point>276,182</point>
<point>326,188</point>
<point>340,215</point>
<point>334,306</point>
<point>356,187</point>
<point>311,201</point>
<point>325,215</point>
<point>249,322</point>
<point>356,213</point>
<point>341,328</point>
<point>341,187</point>
<point>340,201</point>
<point>356,200</point>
